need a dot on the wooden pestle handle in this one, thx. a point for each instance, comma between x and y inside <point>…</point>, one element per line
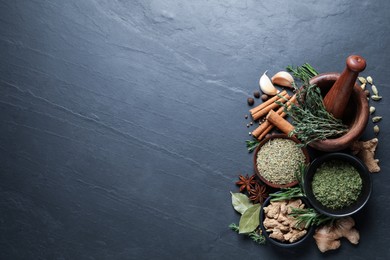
<point>337,98</point>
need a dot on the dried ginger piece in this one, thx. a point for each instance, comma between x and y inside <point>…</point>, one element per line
<point>280,224</point>
<point>327,236</point>
<point>365,150</point>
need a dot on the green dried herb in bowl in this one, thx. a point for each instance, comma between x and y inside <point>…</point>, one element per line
<point>277,159</point>
<point>337,184</point>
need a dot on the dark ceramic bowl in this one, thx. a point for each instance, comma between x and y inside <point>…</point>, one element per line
<point>264,180</point>
<point>364,194</point>
<point>276,242</point>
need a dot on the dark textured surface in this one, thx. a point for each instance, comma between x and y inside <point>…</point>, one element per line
<point>122,122</point>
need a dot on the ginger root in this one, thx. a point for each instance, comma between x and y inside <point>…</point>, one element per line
<point>327,236</point>
<point>365,150</point>
<point>280,224</point>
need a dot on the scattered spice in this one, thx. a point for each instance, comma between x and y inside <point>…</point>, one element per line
<point>363,86</point>
<point>258,194</point>
<point>250,101</point>
<point>278,160</point>
<point>251,123</point>
<point>362,80</point>
<point>376,129</point>
<point>369,80</point>
<point>256,94</point>
<point>376,98</point>
<point>374,90</point>
<point>264,97</point>
<point>336,184</point>
<point>246,116</point>
<point>247,125</point>
<point>372,110</point>
<point>246,182</point>
<point>376,119</point>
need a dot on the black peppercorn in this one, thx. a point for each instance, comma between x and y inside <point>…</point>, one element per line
<point>256,94</point>
<point>251,101</point>
<point>264,97</point>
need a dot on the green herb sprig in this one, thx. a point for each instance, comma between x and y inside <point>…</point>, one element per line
<point>251,145</point>
<point>309,217</point>
<point>304,72</point>
<point>254,235</point>
<point>310,119</point>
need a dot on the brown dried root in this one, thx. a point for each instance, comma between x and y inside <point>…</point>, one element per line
<point>327,236</point>
<point>365,150</point>
<point>280,224</point>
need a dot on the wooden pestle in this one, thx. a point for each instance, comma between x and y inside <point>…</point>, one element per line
<point>337,98</point>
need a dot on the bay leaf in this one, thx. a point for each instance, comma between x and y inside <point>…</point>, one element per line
<point>240,202</point>
<point>249,221</point>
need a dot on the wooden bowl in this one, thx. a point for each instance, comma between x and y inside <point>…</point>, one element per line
<point>355,116</point>
<point>264,180</point>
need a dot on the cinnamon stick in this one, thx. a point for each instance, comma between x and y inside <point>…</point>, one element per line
<point>266,109</point>
<point>267,103</point>
<point>266,131</point>
<point>264,128</point>
<point>278,121</point>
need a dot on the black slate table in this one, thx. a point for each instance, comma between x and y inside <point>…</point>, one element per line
<point>122,122</point>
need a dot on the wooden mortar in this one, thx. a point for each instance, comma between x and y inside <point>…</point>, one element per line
<point>355,115</point>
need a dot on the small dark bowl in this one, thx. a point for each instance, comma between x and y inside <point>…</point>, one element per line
<point>264,180</point>
<point>310,230</point>
<point>364,194</point>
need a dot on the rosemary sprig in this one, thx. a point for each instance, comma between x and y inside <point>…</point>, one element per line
<point>304,72</point>
<point>255,236</point>
<point>309,217</point>
<point>251,144</point>
<point>287,194</point>
<point>310,119</point>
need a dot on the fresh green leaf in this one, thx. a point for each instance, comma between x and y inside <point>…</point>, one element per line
<point>240,202</point>
<point>250,219</point>
<point>251,145</point>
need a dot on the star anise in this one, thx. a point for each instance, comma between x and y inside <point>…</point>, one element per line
<point>258,194</point>
<point>246,182</point>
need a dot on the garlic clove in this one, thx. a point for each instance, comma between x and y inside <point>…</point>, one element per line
<point>283,78</point>
<point>266,85</point>
<point>363,86</point>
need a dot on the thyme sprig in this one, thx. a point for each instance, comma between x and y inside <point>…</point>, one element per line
<point>310,119</point>
<point>304,72</point>
<point>251,145</point>
<point>309,217</point>
<point>256,236</point>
